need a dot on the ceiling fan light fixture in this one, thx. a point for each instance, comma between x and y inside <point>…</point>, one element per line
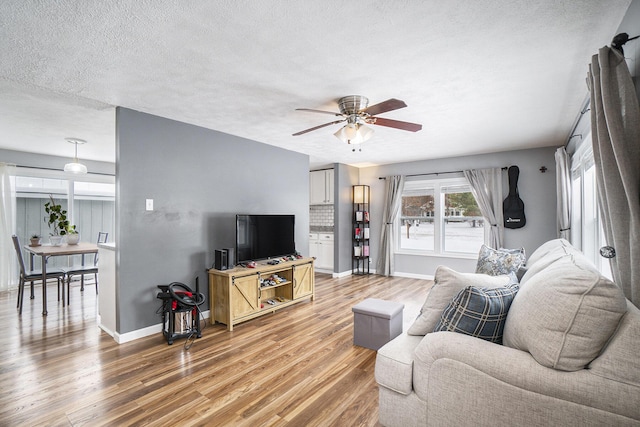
<point>75,166</point>
<point>350,131</point>
<point>355,110</point>
<point>365,132</point>
<point>354,133</point>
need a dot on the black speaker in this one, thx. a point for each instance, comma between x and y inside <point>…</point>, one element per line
<point>231,259</point>
<point>220,259</point>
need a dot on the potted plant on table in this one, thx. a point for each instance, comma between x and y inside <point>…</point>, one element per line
<point>35,240</point>
<point>57,221</point>
<point>73,236</point>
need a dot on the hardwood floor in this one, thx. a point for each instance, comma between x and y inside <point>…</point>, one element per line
<point>297,367</point>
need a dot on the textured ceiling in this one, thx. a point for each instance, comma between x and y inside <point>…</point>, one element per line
<point>480,76</point>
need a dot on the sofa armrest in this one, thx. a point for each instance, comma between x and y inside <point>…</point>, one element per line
<point>394,363</point>
<point>512,369</point>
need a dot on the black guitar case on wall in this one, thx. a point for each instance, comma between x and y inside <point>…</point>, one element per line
<point>513,206</point>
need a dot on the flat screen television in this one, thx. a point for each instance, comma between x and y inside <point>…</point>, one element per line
<point>264,236</point>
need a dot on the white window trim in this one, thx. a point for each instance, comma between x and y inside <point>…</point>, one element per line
<point>581,161</point>
<point>436,184</point>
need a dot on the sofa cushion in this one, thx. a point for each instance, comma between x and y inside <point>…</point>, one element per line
<point>394,363</point>
<point>545,248</point>
<point>499,261</point>
<point>619,360</point>
<point>478,312</point>
<point>565,313</point>
<point>447,284</point>
<point>550,253</point>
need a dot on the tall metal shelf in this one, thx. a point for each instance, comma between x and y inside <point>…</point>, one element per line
<point>360,230</point>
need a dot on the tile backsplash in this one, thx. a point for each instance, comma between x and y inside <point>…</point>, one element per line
<point>321,216</point>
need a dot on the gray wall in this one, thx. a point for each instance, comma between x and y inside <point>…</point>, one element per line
<point>537,190</point>
<point>199,180</point>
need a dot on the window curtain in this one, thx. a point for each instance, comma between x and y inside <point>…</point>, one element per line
<point>486,186</point>
<point>8,266</point>
<point>393,196</point>
<point>615,134</point>
<point>563,194</point>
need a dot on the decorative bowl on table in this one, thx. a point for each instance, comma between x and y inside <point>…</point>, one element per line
<point>55,240</point>
<point>73,238</point>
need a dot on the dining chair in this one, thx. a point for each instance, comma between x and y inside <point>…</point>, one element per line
<point>33,275</point>
<point>81,270</point>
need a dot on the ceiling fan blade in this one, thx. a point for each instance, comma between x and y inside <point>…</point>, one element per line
<point>317,127</point>
<point>333,113</point>
<point>384,106</point>
<point>397,124</point>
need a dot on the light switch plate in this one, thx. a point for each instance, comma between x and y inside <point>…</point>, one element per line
<point>149,204</point>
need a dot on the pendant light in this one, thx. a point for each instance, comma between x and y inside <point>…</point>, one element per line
<point>75,166</point>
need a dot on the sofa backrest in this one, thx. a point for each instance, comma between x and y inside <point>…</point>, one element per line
<point>565,311</point>
<point>547,247</point>
<point>546,254</point>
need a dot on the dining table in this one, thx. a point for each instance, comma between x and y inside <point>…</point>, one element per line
<point>44,251</point>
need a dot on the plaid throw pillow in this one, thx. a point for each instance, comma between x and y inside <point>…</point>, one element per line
<point>478,312</point>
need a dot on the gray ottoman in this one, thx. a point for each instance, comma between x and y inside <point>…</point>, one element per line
<point>376,322</point>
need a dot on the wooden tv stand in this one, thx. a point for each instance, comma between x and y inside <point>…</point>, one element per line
<point>236,295</point>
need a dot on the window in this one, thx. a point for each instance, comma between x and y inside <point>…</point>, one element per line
<point>92,210</point>
<point>439,216</point>
<point>587,232</point>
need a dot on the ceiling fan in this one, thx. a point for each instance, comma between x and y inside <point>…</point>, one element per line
<point>355,112</point>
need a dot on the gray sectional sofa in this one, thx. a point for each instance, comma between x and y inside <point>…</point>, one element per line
<point>570,357</point>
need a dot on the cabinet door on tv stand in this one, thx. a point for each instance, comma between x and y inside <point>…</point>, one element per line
<point>302,280</point>
<point>244,296</point>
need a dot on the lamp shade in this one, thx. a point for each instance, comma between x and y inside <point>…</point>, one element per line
<point>75,166</point>
<point>365,132</point>
<point>361,194</point>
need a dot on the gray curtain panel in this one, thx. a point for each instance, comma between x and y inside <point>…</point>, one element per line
<point>8,263</point>
<point>486,186</point>
<point>615,132</point>
<point>393,196</point>
<point>563,194</point>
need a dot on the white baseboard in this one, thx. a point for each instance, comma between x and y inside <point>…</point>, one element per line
<point>333,274</point>
<point>342,274</point>
<point>104,328</point>
<point>413,275</point>
<point>137,334</point>
<point>144,332</point>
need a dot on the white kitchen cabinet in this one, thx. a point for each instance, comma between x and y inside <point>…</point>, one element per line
<point>321,187</point>
<point>314,248</point>
<point>321,248</point>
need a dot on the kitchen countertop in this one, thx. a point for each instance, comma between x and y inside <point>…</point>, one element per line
<point>321,229</point>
